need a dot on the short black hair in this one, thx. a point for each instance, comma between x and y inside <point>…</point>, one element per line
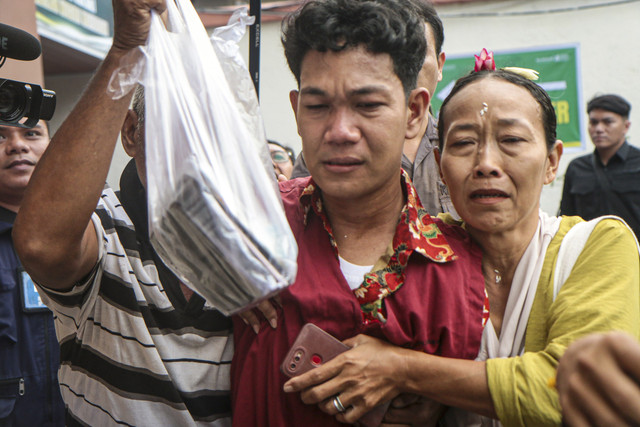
<point>381,26</point>
<point>614,103</point>
<point>429,15</point>
<point>548,117</point>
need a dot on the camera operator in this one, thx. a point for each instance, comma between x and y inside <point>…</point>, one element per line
<point>29,352</point>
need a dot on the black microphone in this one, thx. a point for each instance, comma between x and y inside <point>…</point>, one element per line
<point>18,44</point>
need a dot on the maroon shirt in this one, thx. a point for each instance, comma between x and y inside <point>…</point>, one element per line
<point>434,295</point>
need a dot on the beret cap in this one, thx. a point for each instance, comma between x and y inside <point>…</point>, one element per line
<point>614,103</point>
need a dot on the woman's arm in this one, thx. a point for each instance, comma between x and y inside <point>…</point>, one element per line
<point>375,371</point>
<point>601,294</point>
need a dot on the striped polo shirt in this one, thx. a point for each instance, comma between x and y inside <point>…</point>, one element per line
<point>128,355</point>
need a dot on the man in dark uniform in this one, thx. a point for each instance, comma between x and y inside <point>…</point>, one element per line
<point>605,182</point>
<point>29,352</point>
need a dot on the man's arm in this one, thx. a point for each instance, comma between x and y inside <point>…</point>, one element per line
<point>53,233</point>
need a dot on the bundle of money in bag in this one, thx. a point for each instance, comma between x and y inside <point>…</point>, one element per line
<point>215,214</point>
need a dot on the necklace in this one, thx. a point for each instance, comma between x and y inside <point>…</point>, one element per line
<point>498,276</point>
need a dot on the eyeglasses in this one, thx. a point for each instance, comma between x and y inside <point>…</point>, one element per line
<point>280,156</point>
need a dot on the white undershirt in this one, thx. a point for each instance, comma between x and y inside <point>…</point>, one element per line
<point>354,274</point>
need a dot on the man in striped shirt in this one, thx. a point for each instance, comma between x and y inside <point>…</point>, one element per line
<point>137,346</point>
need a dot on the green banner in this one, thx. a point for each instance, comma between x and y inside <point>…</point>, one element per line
<point>559,76</point>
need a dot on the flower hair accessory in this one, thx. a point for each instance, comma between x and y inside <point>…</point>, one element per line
<point>527,73</point>
<point>485,61</point>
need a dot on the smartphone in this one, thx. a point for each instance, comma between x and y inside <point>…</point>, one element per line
<point>313,347</point>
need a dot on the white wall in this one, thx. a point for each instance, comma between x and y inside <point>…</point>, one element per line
<point>609,39</point>
<point>68,89</point>
<point>276,81</point>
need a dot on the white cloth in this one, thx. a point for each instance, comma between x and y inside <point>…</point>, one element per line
<point>572,246</point>
<point>516,314</point>
<point>353,273</point>
<point>521,296</point>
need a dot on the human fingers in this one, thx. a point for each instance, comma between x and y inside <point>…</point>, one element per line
<point>322,392</point>
<point>313,378</point>
<point>250,318</point>
<point>367,413</point>
<point>568,364</point>
<point>589,383</point>
<point>361,394</point>
<point>344,412</point>
<point>422,411</point>
<point>277,300</point>
<point>576,420</point>
<point>333,406</point>
<point>626,350</point>
<point>366,373</point>
<point>583,406</point>
<point>618,377</point>
<point>269,312</point>
<point>132,19</point>
<point>405,399</point>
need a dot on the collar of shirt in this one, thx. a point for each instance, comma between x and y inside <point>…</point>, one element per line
<point>622,153</point>
<point>133,197</point>
<point>428,143</point>
<point>416,232</point>
<point>7,218</point>
<point>432,131</point>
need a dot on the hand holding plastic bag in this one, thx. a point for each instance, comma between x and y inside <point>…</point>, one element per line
<point>215,215</point>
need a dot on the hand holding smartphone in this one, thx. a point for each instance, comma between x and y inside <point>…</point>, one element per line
<point>312,348</point>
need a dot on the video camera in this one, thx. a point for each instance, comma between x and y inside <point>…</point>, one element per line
<point>19,100</point>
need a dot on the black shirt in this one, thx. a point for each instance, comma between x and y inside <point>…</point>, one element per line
<point>584,196</point>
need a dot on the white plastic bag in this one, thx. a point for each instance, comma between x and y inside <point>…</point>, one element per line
<point>225,41</point>
<point>215,215</point>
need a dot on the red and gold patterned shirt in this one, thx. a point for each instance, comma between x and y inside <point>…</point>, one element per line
<point>425,294</point>
<point>416,232</point>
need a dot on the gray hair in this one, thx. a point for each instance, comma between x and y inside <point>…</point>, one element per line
<point>137,104</point>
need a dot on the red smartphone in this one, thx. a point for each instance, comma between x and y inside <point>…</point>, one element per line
<point>313,347</point>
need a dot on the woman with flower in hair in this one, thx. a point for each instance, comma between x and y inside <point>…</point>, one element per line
<point>548,280</point>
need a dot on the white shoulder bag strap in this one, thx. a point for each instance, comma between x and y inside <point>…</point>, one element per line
<point>571,248</point>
